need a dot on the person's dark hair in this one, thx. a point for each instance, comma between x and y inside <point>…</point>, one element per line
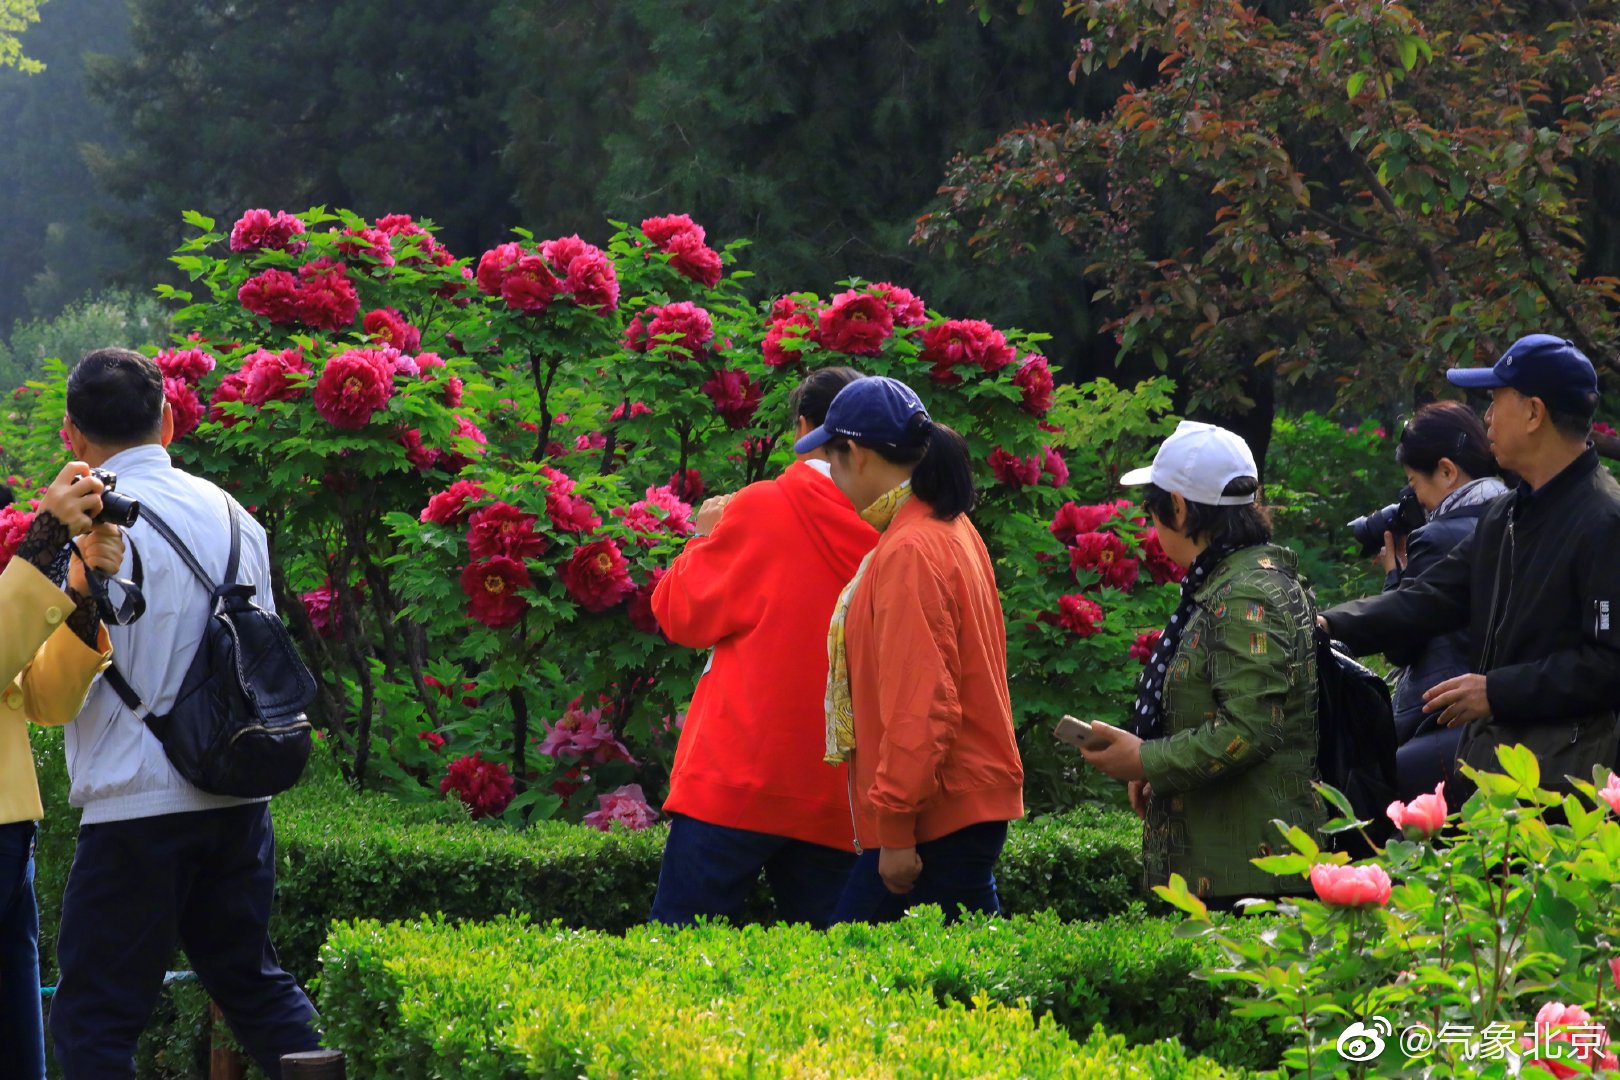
<point>814,396</point>
<point>115,396</point>
<point>1573,420</point>
<point>943,477</point>
<point>1446,429</point>
<point>1222,526</point>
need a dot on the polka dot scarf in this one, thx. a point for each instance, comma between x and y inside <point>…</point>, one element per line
<point>1147,715</point>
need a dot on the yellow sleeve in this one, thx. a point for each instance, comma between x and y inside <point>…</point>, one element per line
<point>54,685</point>
<point>39,655</point>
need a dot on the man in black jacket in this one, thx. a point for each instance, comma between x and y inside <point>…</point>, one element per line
<point>1537,585</point>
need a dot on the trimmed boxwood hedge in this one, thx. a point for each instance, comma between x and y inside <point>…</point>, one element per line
<point>506,998</point>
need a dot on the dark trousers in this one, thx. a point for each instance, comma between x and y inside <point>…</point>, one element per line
<point>712,870</point>
<point>22,1038</point>
<point>958,871</point>
<point>201,880</point>
<point>1426,759</point>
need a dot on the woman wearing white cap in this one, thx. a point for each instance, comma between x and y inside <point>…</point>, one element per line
<point>1224,721</point>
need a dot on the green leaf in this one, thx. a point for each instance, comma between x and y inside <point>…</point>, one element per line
<point>1409,52</point>
<point>1353,87</point>
<point>1520,763</point>
<point>1284,865</point>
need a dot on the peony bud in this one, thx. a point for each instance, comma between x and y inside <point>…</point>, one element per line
<point>1424,816</point>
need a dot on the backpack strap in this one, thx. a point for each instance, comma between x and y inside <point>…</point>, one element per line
<point>234,561</point>
<point>161,527</point>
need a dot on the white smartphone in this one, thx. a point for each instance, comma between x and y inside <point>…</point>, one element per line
<point>1078,734</point>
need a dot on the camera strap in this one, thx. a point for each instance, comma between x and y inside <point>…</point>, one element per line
<point>133,604</point>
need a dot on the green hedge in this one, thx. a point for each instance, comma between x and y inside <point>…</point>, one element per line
<point>914,999</point>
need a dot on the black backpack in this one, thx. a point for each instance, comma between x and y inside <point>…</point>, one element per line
<point>1356,741</point>
<point>238,725</point>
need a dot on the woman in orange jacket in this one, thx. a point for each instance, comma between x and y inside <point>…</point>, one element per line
<point>748,791</point>
<point>917,698</point>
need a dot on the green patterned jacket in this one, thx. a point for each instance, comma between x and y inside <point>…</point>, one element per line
<point>1240,732</point>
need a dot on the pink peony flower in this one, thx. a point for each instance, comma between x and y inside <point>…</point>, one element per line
<point>904,305</point>
<point>450,507</point>
<point>684,326</point>
<point>963,342</point>
<point>570,513</point>
<point>434,740</point>
<point>582,735</point>
<point>1142,649</point>
<point>484,787</point>
<point>856,323</point>
<point>421,457</point>
<point>662,230</point>
<point>1053,467</point>
<point>326,296</point>
<point>272,295</point>
<point>266,375</point>
<point>800,328</point>
<point>258,230</point>
<point>1585,1042</point>
<point>494,264</point>
<point>627,806</point>
<point>14,525</point>
<point>1072,519</point>
<point>1077,614</point>
<point>503,529</point>
<point>187,365</point>
<point>529,286</point>
<point>184,404</point>
<point>1106,554</point>
<point>692,258</point>
<point>1350,886</point>
<point>385,326</point>
<point>353,386</point>
<point>637,408</point>
<point>736,396</point>
<point>660,512</point>
<point>1601,428</point>
<point>1160,566</point>
<point>1614,970</point>
<point>469,442</point>
<point>1610,792</point>
<point>232,387</point>
<point>593,282</point>
<point>370,244</point>
<point>1034,378</point>
<point>1014,472</point>
<point>597,576</point>
<point>321,605</point>
<point>1424,816</point>
<point>493,591</point>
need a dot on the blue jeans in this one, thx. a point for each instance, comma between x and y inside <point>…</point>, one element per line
<point>712,870</point>
<point>22,1034</point>
<point>958,871</point>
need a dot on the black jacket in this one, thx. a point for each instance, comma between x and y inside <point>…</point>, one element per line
<point>1538,588</point>
<point>1439,658</point>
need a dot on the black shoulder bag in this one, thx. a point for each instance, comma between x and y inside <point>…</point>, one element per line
<point>238,725</point>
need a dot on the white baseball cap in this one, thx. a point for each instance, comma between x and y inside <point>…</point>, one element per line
<point>1197,462</point>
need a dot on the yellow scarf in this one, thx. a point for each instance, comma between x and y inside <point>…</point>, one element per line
<point>839,705</point>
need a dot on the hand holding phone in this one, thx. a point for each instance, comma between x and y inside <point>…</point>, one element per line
<point>1079,734</point>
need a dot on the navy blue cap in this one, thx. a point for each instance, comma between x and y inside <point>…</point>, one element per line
<point>873,409</point>
<point>1537,365</point>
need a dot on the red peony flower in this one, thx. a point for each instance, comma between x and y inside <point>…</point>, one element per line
<point>449,507</point>
<point>856,323</point>
<point>1053,467</point>
<point>470,443</point>
<point>641,612</point>
<point>14,525</point>
<point>1034,378</point>
<point>593,440</point>
<point>435,741</point>
<point>354,385</point>
<point>570,513</point>
<point>326,297</point>
<point>417,452</point>
<point>800,327</point>
<point>1159,565</point>
<point>494,264</point>
<point>683,326</point>
<point>322,607</point>
<point>272,295</point>
<point>492,589</point>
<point>736,396</point>
<point>184,405</point>
<point>1076,614</point>
<point>961,342</point>
<point>503,529</point>
<point>784,308</point>
<point>689,488</point>
<point>1106,554</point>
<point>661,231</point>
<point>690,257</point>
<point>187,365</point>
<point>266,375</point>
<point>637,408</point>
<point>1142,650</point>
<point>372,244</point>
<point>529,285</point>
<point>593,282</point>
<point>1072,520</point>
<point>596,575</point>
<point>484,787</point>
<point>232,387</point>
<point>1015,472</point>
<point>258,230</point>
<point>906,307</point>
<point>386,326</point>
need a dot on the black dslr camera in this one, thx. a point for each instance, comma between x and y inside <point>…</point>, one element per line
<point>1398,518</point>
<point>116,509</point>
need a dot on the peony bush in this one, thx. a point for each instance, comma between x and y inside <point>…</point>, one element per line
<point>475,466</point>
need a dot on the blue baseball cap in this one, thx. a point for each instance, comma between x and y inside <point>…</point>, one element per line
<point>1537,365</point>
<point>872,409</point>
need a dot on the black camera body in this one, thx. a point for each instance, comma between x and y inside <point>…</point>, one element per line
<point>116,509</point>
<point>1398,518</point>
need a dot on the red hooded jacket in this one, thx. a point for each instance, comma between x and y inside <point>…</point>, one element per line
<point>760,590</point>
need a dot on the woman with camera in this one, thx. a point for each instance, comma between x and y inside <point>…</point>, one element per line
<point>1453,475</point>
<point>1224,722</point>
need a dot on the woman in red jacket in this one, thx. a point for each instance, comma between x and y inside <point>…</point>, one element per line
<point>748,791</point>
<point>917,697</point>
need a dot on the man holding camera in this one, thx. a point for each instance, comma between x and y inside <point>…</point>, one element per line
<point>52,648</point>
<point>1536,584</point>
<point>159,862</point>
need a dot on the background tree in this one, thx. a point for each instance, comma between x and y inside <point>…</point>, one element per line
<point>1383,196</point>
<point>15,17</point>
